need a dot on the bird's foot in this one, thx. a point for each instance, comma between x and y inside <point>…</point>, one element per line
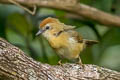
<point>60,62</point>
<point>80,62</point>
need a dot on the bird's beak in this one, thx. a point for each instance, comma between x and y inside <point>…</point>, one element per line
<point>39,32</point>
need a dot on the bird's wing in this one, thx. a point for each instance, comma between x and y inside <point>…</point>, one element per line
<point>79,38</point>
<point>68,27</point>
<point>72,33</point>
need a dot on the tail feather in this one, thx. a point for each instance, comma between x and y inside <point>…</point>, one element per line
<point>90,42</point>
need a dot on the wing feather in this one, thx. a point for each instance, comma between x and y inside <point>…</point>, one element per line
<point>79,38</point>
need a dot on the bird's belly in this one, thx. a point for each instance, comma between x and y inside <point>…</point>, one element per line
<point>63,52</point>
<point>66,46</point>
<point>68,53</point>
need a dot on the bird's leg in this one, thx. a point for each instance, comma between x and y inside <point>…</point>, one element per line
<point>80,62</point>
<point>60,62</point>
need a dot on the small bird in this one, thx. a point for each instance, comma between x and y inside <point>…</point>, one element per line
<point>63,39</point>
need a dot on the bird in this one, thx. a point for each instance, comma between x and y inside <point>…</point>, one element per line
<point>67,43</point>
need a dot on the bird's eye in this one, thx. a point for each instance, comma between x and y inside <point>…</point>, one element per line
<point>47,27</point>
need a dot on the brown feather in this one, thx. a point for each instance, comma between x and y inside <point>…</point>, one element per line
<point>76,36</point>
<point>90,42</point>
<point>80,39</point>
<point>48,20</point>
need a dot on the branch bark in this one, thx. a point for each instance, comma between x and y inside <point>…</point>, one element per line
<point>15,65</point>
<point>73,7</point>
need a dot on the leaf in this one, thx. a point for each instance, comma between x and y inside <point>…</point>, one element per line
<point>5,10</point>
<point>104,5</point>
<point>87,33</point>
<point>111,38</point>
<point>46,11</point>
<point>18,23</point>
<point>60,13</point>
<point>111,57</point>
<point>14,38</point>
<point>86,1</point>
<point>87,55</point>
<point>116,6</point>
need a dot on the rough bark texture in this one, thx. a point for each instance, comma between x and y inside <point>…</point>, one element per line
<point>15,65</point>
<point>74,7</point>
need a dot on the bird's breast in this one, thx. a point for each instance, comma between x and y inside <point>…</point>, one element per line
<point>66,46</point>
<point>59,41</point>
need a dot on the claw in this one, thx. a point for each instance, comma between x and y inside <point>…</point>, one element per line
<point>60,62</point>
<point>80,62</point>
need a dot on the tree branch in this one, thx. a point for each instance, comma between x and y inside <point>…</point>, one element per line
<point>26,9</point>
<point>73,7</point>
<point>15,65</point>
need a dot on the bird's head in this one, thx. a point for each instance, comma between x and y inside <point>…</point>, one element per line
<point>50,27</point>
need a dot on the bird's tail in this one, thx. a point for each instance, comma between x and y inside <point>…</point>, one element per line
<point>90,42</point>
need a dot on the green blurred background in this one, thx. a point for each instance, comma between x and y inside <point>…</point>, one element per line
<point>19,28</point>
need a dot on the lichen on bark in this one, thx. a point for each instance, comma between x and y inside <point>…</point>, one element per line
<point>15,65</point>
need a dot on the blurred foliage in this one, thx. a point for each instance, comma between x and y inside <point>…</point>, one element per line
<point>19,28</point>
